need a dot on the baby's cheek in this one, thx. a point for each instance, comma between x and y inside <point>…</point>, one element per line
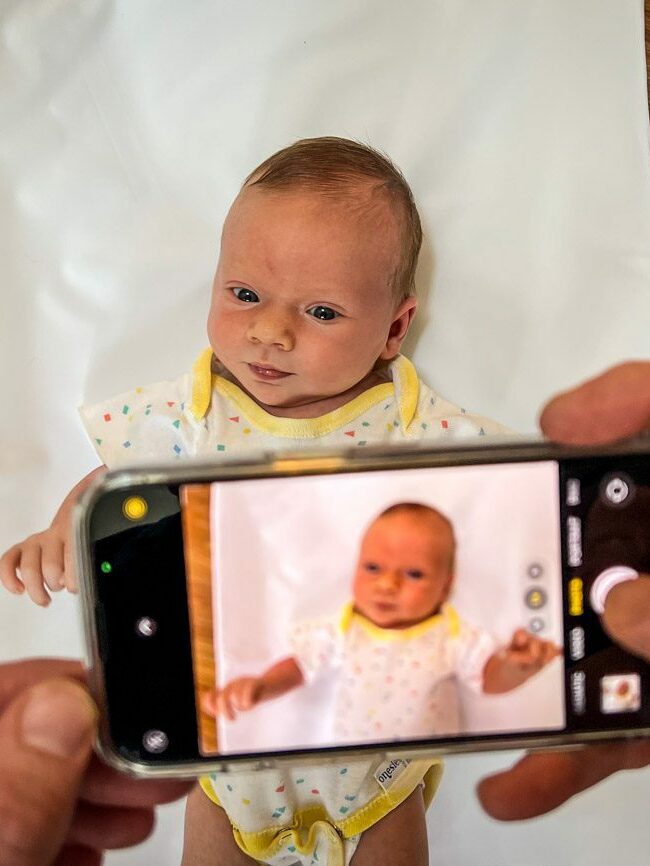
<point>425,598</point>
<point>212,328</point>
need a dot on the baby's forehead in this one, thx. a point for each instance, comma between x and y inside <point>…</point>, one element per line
<point>426,522</point>
<point>349,197</point>
<point>350,247</point>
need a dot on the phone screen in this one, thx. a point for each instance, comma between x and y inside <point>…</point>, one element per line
<point>441,605</point>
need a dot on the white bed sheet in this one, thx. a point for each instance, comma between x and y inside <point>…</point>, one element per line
<point>126,129</point>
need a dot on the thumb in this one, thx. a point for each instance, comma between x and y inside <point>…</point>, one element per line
<point>46,737</point>
<point>627,615</point>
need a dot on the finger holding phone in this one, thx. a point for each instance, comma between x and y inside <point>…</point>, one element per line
<point>56,798</point>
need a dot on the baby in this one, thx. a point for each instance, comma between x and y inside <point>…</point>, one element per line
<point>312,298</point>
<point>399,646</point>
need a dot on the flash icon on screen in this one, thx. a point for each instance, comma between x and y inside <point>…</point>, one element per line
<point>135,508</point>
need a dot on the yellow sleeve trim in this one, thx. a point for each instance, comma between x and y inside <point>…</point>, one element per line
<point>208,790</point>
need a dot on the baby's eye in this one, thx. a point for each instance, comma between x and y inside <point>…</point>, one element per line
<point>246,295</point>
<point>372,567</point>
<point>414,574</point>
<point>325,314</point>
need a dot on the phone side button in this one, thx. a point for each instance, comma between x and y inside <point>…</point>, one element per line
<point>557,747</point>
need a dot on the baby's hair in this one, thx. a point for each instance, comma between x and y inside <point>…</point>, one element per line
<point>424,511</point>
<point>337,167</point>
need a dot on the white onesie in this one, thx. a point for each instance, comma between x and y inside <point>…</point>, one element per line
<point>394,683</point>
<point>312,813</point>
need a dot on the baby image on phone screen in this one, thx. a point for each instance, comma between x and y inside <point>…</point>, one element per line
<point>399,649</point>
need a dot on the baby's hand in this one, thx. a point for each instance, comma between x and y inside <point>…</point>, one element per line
<point>43,559</point>
<point>238,695</point>
<point>529,653</point>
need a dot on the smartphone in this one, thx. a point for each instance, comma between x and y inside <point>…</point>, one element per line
<point>406,602</point>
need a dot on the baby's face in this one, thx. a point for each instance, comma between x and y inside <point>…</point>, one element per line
<point>405,569</point>
<point>301,307</point>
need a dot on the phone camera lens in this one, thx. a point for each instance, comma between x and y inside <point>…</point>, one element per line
<point>617,489</point>
<point>146,627</point>
<point>155,741</point>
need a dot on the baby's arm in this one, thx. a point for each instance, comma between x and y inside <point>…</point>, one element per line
<point>245,693</point>
<point>514,664</point>
<point>45,558</point>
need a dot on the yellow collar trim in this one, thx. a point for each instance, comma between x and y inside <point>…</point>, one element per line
<point>447,615</point>
<point>405,386</point>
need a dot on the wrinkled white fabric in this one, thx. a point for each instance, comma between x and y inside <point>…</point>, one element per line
<point>126,129</point>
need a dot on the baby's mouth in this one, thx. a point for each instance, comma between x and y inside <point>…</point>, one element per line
<point>268,373</point>
<point>385,606</point>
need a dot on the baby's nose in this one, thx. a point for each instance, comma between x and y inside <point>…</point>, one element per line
<point>272,329</point>
<point>389,580</point>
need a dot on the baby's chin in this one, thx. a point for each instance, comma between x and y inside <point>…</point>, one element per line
<point>392,618</point>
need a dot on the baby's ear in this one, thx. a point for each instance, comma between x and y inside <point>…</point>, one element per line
<point>402,319</point>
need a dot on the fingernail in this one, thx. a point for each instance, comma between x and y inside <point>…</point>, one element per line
<point>59,719</point>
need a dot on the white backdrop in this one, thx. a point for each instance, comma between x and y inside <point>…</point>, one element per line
<point>126,128</point>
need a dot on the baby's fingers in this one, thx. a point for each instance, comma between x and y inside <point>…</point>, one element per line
<point>8,565</point>
<point>243,697</point>
<point>537,654</point>
<point>31,572</point>
<point>69,571</point>
<point>521,639</point>
<point>52,561</point>
<point>223,704</point>
<point>551,651</point>
<point>208,703</point>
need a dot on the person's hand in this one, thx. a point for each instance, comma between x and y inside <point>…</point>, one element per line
<point>41,560</point>
<point>238,695</point>
<point>58,803</point>
<point>613,406</point>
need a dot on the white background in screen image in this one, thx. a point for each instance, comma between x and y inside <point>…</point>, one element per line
<point>286,550</point>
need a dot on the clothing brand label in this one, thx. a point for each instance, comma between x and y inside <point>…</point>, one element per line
<point>387,773</point>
